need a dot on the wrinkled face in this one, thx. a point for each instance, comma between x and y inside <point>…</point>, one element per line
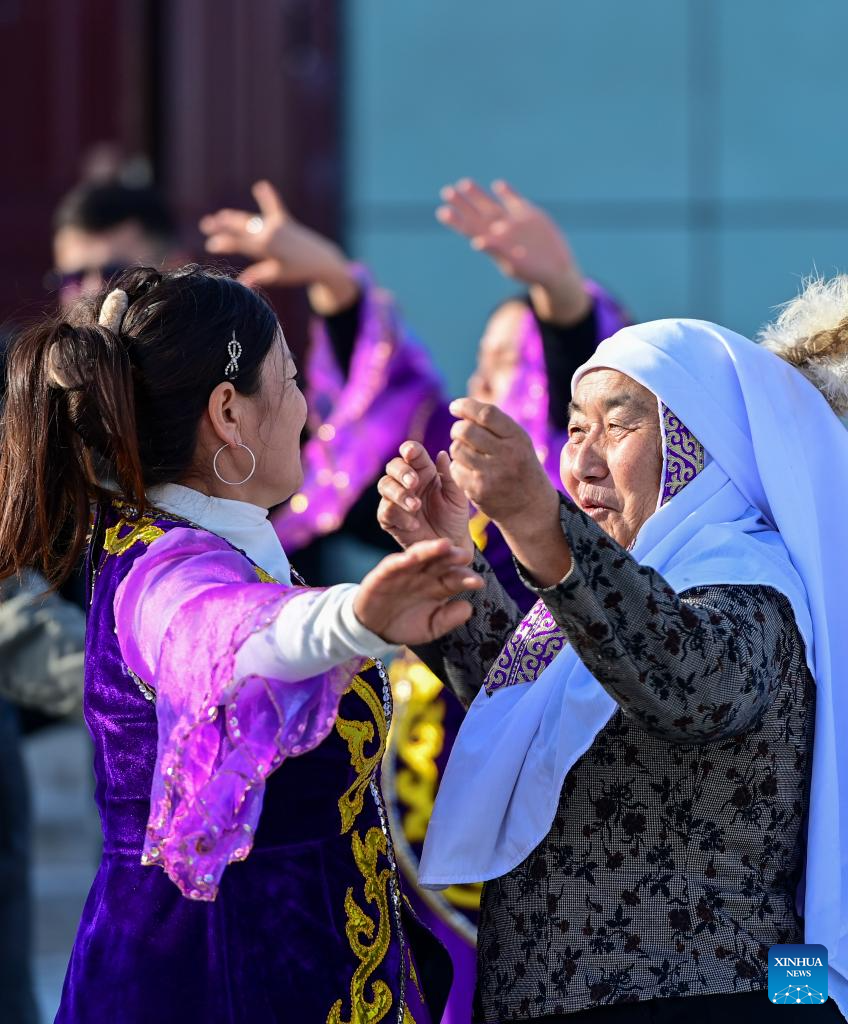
<point>498,355</point>
<point>272,428</point>
<point>612,463</point>
<point>84,261</point>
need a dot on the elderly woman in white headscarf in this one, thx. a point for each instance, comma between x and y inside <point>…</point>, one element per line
<point>648,780</point>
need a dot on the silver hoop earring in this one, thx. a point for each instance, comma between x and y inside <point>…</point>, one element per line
<point>234,483</point>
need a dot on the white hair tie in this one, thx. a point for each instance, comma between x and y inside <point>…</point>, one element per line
<point>113,309</point>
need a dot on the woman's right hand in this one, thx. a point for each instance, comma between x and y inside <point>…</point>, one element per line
<point>284,251</point>
<point>524,242</point>
<point>411,597</point>
<point>421,501</point>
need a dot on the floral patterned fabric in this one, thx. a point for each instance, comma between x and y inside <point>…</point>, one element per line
<point>672,863</point>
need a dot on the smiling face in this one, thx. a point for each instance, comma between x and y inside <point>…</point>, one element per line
<point>612,463</point>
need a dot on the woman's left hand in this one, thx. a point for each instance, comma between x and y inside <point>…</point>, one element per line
<point>285,253</point>
<point>495,464</point>
<point>408,598</point>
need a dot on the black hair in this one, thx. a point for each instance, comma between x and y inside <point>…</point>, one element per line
<point>130,401</point>
<point>98,207</point>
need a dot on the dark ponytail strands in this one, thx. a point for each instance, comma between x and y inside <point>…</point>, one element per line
<point>90,412</point>
<point>69,392</point>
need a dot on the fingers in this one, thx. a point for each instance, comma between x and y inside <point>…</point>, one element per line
<point>484,415</point>
<point>443,465</point>
<point>470,217</point>
<point>451,492</point>
<point>417,458</point>
<point>448,216</point>
<point>261,275</point>
<point>479,198</point>
<point>468,480</point>
<point>435,583</point>
<point>393,491</point>
<point>400,470</point>
<point>474,436</point>
<point>269,200</point>
<point>399,487</point>
<point>448,617</point>
<point>433,552</point>
<point>395,521</point>
<point>434,568</point>
<point>512,200</point>
<point>415,556</point>
<point>499,242</point>
<point>458,581</point>
<point>468,208</point>
<point>222,224</point>
<point>469,457</point>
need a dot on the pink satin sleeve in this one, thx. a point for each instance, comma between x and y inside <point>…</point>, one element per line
<point>181,614</point>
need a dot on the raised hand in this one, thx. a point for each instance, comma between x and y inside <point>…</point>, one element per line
<point>285,252</point>
<point>523,241</point>
<point>494,463</point>
<point>409,598</point>
<point>420,500</point>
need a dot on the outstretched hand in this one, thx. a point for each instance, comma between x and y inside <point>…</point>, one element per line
<point>284,251</point>
<point>409,598</point>
<point>524,242</point>
<point>421,501</point>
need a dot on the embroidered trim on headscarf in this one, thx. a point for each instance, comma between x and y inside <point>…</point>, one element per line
<point>683,455</point>
<point>531,648</point>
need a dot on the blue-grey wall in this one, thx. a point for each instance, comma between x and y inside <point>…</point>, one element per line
<point>695,151</point>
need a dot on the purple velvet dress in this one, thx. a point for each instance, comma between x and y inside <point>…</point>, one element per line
<point>280,899</point>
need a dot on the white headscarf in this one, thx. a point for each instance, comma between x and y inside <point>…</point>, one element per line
<point>771,508</point>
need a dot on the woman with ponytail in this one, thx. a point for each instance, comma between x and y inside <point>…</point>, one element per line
<point>238,720</point>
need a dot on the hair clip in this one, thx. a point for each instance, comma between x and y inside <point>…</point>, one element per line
<point>234,350</point>
<point>113,310</point>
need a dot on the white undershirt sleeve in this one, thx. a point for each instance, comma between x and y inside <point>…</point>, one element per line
<point>312,633</point>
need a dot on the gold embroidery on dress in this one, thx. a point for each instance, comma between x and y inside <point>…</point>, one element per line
<point>411,772</point>
<point>357,735</point>
<point>418,738</point>
<point>143,530</point>
<point>478,527</point>
<point>413,975</point>
<point>369,948</point>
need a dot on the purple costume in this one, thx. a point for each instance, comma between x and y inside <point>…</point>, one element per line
<point>260,799</point>
<point>358,422</point>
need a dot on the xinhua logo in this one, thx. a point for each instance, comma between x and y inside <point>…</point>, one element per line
<point>797,974</point>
